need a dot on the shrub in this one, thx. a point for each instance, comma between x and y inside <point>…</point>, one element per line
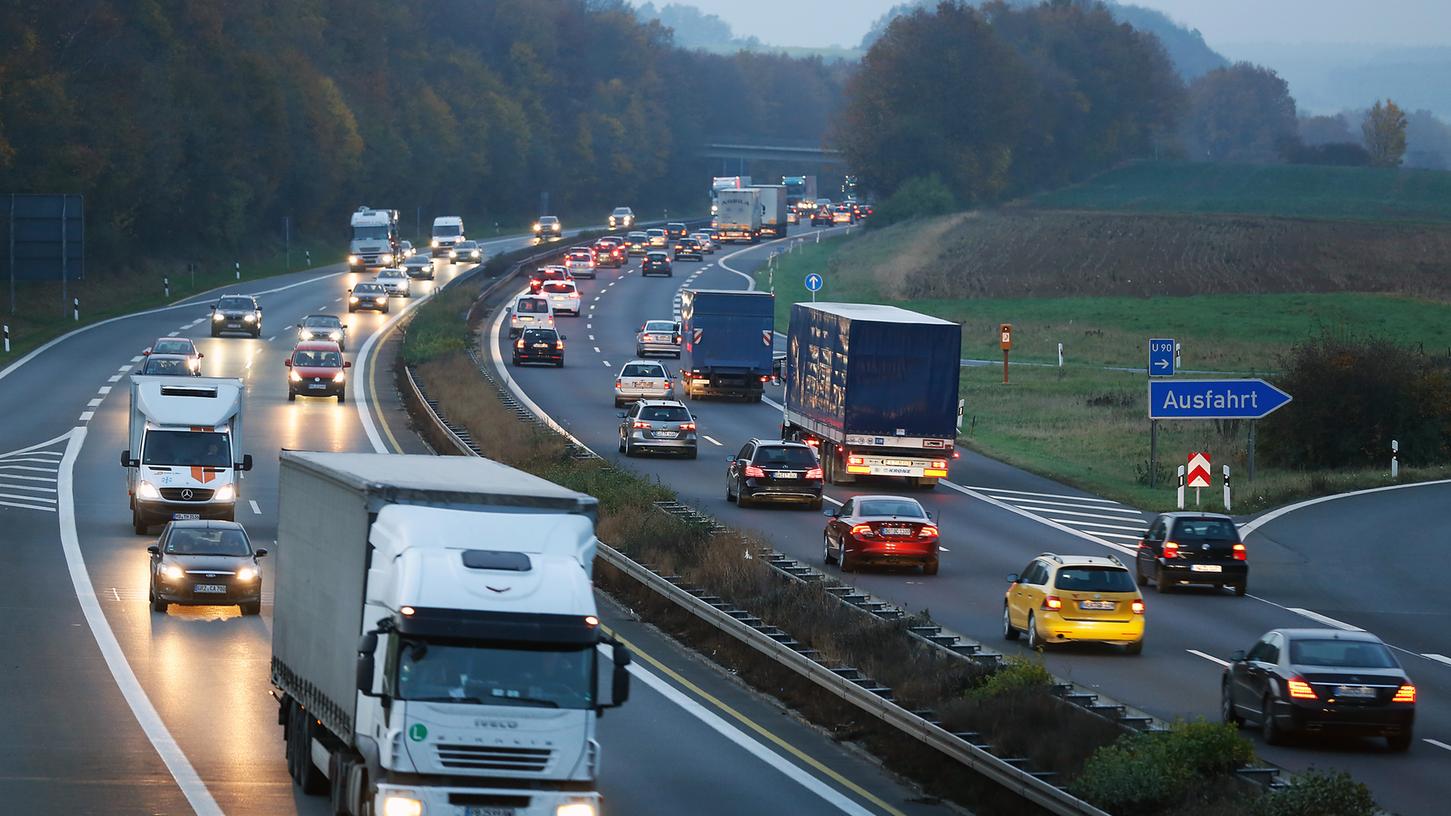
<point>1016,674</point>
<point>916,197</point>
<point>1317,793</point>
<point>1143,772</point>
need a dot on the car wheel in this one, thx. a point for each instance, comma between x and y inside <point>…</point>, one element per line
<point>743,500</point>
<point>1241,588</point>
<point>1160,582</point>
<point>1399,743</point>
<point>292,396</point>
<point>159,606</point>
<point>215,333</point>
<point>1035,640</point>
<point>1010,632</point>
<point>1139,576</point>
<point>1227,712</point>
<point>826,556</point>
<point>138,522</point>
<point>622,444</point>
<point>559,364</point>
<point>1137,647</point>
<point>1270,731</point>
<point>629,448</point>
<point>930,567</point>
<point>253,608</point>
<point>848,561</point>
<point>342,396</point>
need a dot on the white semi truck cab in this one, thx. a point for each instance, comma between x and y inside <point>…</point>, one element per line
<point>185,455</point>
<point>374,242</point>
<point>436,642</point>
<point>447,231</point>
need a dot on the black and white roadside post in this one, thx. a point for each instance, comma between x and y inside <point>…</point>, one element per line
<point>1179,493</point>
<point>166,287</point>
<point>7,349</point>
<point>1060,355</point>
<point>1226,488</point>
<point>1395,454</point>
<point>237,265</point>
<point>76,309</point>
<point>307,254</point>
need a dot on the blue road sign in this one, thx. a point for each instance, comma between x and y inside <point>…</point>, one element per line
<point>813,282</point>
<point>1161,357</point>
<point>1214,399</point>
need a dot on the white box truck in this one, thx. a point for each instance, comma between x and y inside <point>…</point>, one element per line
<point>447,231</point>
<point>773,209</point>
<point>185,449</point>
<point>738,217</point>
<point>435,642</point>
<point>375,239</point>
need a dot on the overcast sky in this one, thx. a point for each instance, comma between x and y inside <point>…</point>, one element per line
<point>843,22</point>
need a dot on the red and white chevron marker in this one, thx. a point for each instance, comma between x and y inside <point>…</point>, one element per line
<point>1197,474</point>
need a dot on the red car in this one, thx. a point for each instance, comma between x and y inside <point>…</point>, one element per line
<point>884,530</point>
<point>316,369</point>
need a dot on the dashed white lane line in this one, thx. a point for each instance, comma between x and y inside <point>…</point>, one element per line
<point>711,441</point>
<point>86,415</point>
<point>1437,743</point>
<point>270,339</point>
<point>339,300</point>
<point>173,333</point>
<point>105,389</point>
<point>136,359</point>
<point>1138,529</point>
<point>255,508</point>
<point>591,337</point>
<point>93,403</point>
<point>1209,657</point>
<point>589,325</point>
<point>1439,658</point>
<point>125,368</point>
<point>1048,495</point>
<point>1033,503</point>
<point>606,362</point>
<point>597,348</point>
<point>113,378</point>
<point>1328,621</point>
<point>288,326</point>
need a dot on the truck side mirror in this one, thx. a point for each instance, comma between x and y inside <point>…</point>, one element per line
<point>126,459</point>
<point>367,645</point>
<point>246,461</point>
<point>620,678</point>
<point>1237,656</point>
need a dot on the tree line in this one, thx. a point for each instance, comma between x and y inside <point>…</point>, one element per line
<point>208,123</point>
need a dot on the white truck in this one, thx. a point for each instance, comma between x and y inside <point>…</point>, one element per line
<point>435,640</point>
<point>184,458</point>
<point>718,183</point>
<point>739,215</point>
<point>773,209</point>
<point>447,231</point>
<point>375,239</point>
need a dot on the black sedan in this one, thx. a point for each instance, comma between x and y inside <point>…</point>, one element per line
<point>1315,681</point>
<point>656,263</point>
<point>205,563</point>
<point>368,296</point>
<point>539,346</point>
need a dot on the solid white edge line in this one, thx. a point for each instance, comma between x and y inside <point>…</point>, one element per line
<point>714,722</point>
<point>1437,743</point>
<point>1031,493</point>
<point>1325,619</point>
<point>518,393</point>
<point>1250,526</point>
<point>1439,658</point>
<point>360,367</point>
<point>751,281</point>
<point>1211,658</point>
<point>181,770</point>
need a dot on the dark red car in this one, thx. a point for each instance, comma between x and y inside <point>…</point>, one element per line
<point>316,369</point>
<point>610,251</point>
<point>883,530</point>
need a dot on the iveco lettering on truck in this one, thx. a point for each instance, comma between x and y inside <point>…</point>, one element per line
<point>185,449</point>
<point>435,644</point>
<point>448,230</point>
<point>375,239</point>
<point>874,388</point>
<point>728,342</point>
<point>739,216</point>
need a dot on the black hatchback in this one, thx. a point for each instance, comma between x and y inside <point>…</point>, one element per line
<point>1193,548</point>
<point>205,563</point>
<point>539,346</point>
<point>774,471</point>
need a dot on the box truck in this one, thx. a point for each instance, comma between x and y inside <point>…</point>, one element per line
<point>375,239</point>
<point>728,342</point>
<point>739,215</point>
<point>773,209</point>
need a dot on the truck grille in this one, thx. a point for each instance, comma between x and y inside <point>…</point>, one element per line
<point>199,494</point>
<point>494,758</point>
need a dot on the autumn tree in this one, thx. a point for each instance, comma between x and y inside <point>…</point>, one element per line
<point>1240,113</point>
<point>1384,129</point>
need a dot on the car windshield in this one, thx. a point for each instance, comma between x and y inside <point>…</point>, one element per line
<point>317,359</point>
<point>642,370</point>
<point>391,273</point>
<point>558,287</point>
<point>655,232</point>
<point>236,304</point>
<point>665,413</point>
<point>659,326</point>
<point>186,449</point>
<point>903,508</point>
<point>532,306</point>
<point>658,257</point>
<point>367,289</point>
<point>321,322</point>
<point>1095,579</point>
<point>1205,530</point>
<point>166,366</point>
<point>785,456</point>
<point>636,236</point>
<point>622,211</point>
<point>204,541</point>
<point>547,219</point>
<point>446,230</point>
<point>170,346</point>
<point>420,260</point>
<point>579,256</point>
<point>1347,654</point>
<point>540,336</point>
<point>468,245</point>
<point>502,676</point>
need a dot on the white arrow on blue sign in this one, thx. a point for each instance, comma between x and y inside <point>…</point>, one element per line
<point>814,282</point>
<point>1214,399</point>
<point>1161,357</point>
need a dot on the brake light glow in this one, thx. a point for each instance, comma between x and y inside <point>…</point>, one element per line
<point>519,344</point>
<point>956,454</point>
<point>618,383</point>
<point>1052,602</point>
<point>753,472</point>
<point>939,464</point>
<point>640,424</point>
<point>1405,694</point>
<point>687,426</point>
<point>813,443</point>
<point>1171,549</point>
<point>863,530</point>
<point>814,473</point>
<point>927,531</point>
<point>1239,553</point>
<point>1299,689</point>
<point>1137,606</point>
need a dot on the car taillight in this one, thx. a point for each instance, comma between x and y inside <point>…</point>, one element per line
<point>1239,553</point>
<point>764,378</point>
<point>1052,602</point>
<point>640,424</point>
<point>753,472</point>
<point>863,530</point>
<point>814,473</point>
<point>927,531</point>
<point>617,383</point>
<point>1405,694</point>
<point>1171,549</point>
<point>957,454</point>
<point>939,464</point>
<point>1299,689</point>
<point>687,426</point>
<point>519,344</point>
<point>813,443</point>
<point>1137,606</point>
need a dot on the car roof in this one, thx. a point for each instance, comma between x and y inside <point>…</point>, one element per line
<point>316,345</point>
<point>1327,633</point>
<point>1082,560</point>
<point>181,357</point>
<point>638,361</point>
<point>672,321</point>
<point>661,404</point>
<point>781,443</point>
<point>208,524</point>
<point>659,252</point>
<point>1183,514</point>
<point>548,218</point>
<point>886,496</point>
<point>236,295</point>
<point>324,316</point>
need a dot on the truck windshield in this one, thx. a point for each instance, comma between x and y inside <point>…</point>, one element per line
<point>496,675</point>
<point>379,233</point>
<point>187,449</point>
<point>446,230</point>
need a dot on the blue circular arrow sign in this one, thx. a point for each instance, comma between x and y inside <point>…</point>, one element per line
<point>813,282</point>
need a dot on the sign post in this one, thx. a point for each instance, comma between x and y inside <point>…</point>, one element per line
<point>1197,473</point>
<point>1005,334</point>
<point>1212,399</point>
<point>814,283</point>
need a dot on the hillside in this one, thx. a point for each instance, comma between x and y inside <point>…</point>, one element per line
<point>1293,191</point>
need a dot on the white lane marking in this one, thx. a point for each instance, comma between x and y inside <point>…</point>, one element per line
<point>174,333</point>
<point>825,497</point>
<point>597,297</point>
<point>28,467</point>
<point>50,479</point>
<point>270,339</point>
<point>138,357</point>
<point>19,506</point>
<point>1134,537</point>
<point>1328,621</point>
<point>339,300</point>
<point>597,348</point>
<point>713,721</point>
<point>288,326</point>
<point>1439,658</point>
<point>591,337</point>
<point>186,777</point>
<point>711,441</point>
<point>113,378</point>
<point>1211,658</point>
<point>86,415</point>
<point>1048,495</point>
<point>1058,512</point>
<point>1033,503</point>
<point>123,369</point>
<point>34,450</point>
<point>26,498</point>
<point>1138,529</point>
<point>1437,743</point>
<point>93,403</point>
<point>606,362</point>
<point>967,491</point>
<point>104,390</point>
<point>255,508</point>
<point>1251,526</point>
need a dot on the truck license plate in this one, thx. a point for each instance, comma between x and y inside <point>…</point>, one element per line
<point>488,810</point>
<point>209,589</point>
<point>1206,568</point>
<point>185,516</point>
<point>892,470</point>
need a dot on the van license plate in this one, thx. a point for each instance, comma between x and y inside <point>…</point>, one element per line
<point>185,516</point>
<point>209,589</point>
<point>1206,568</point>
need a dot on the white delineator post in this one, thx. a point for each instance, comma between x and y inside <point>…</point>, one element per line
<point>1226,489</point>
<point>1180,491</point>
<point>1395,458</point>
<point>1060,355</point>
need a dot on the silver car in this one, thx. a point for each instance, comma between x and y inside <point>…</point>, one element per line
<point>419,266</point>
<point>663,425</point>
<point>395,281</point>
<point>658,337</point>
<point>642,380</point>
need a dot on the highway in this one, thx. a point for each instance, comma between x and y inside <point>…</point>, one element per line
<point>116,709</point>
<point>995,518</point>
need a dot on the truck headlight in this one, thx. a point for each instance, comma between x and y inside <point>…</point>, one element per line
<point>575,809</point>
<point>352,260</point>
<point>147,490</point>
<point>387,260</point>
<point>225,493</point>
<point>402,804</point>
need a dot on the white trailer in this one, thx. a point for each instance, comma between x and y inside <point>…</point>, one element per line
<point>773,209</point>
<point>435,639</point>
<point>739,215</point>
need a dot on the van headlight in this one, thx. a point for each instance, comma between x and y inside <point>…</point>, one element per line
<point>435,243</point>
<point>147,490</point>
<point>225,493</point>
<point>402,803</point>
<point>575,809</point>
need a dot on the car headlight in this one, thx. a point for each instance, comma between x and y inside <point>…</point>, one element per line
<point>353,299</point>
<point>251,318</point>
<point>474,253</point>
<point>556,228</point>
<point>380,300</point>
<point>402,804</point>
<point>218,316</point>
<point>352,260</point>
<point>172,572</point>
<point>294,376</point>
<point>536,226</point>
<point>225,493</point>
<point>247,574</point>
<point>147,490</point>
<point>575,809</point>
<point>338,377</point>
<point>336,335</point>
<point>386,259</point>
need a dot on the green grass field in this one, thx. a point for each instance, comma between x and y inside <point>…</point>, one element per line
<point>1293,191</point>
